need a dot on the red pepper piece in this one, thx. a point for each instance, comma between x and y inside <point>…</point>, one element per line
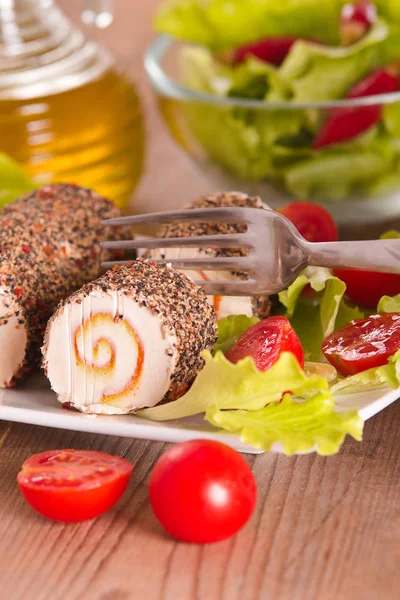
<point>343,124</point>
<point>356,20</point>
<point>271,50</point>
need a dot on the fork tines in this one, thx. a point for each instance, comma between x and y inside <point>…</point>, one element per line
<point>227,216</point>
<point>200,215</point>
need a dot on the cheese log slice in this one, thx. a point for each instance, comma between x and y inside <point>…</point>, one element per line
<point>130,339</point>
<point>49,246</point>
<point>224,305</point>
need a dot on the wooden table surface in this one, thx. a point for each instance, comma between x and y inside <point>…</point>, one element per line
<point>324,528</point>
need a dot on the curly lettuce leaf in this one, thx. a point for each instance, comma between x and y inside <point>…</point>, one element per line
<point>230,329</point>
<point>298,426</point>
<point>314,318</point>
<point>13,181</point>
<point>371,379</point>
<point>239,386</point>
<point>222,24</point>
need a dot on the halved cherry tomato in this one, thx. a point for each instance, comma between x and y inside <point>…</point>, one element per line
<point>312,221</point>
<point>265,342</point>
<point>367,287</point>
<point>363,344</point>
<point>73,485</point>
<point>202,491</point>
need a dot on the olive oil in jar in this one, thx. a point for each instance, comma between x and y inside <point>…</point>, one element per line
<point>92,135</point>
<point>66,113</point>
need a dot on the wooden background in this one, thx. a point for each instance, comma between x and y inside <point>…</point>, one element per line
<point>324,528</point>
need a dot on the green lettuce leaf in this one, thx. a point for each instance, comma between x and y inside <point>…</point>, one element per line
<point>318,72</point>
<point>239,386</point>
<point>314,318</point>
<point>371,379</point>
<point>13,181</point>
<point>230,329</point>
<point>201,71</point>
<point>389,304</point>
<point>297,426</point>
<point>391,119</point>
<point>391,234</point>
<point>228,23</point>
<point>389,9</point>
<point>244,141</point>
<point>345,170</point>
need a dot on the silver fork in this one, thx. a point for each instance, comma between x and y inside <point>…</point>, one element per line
<point>276,251</point>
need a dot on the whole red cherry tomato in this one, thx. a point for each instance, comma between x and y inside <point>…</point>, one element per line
<point>73,485</point>
<point>312,221</point>
<point>363,344</point>
<point>265,342</point>
<point>367,287</point>
<point>202,491</point>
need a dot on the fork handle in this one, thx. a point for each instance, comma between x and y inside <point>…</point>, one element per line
<point>373,255</point>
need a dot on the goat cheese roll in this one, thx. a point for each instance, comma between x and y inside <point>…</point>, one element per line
<point>224,305</point>
<point>129,339</point>
<point>49,246</point>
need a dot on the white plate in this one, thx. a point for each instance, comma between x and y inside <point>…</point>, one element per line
<point>36,404</point>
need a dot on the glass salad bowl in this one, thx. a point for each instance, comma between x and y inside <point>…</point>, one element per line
<point>270,147</point>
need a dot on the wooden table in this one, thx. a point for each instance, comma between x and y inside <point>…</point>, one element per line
<point>326,529</point>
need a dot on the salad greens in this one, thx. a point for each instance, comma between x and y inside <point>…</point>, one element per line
<point>276,144</point>
<point>13,180</point>
<point>371,379</point>
<point>239,386</point>
<point>239,397</point>
<point>256,404</point>
<point>297,426</point>
<point>230,329</point>
<point>307,65</point>
<point>317,316</point>
<point>229,23</point>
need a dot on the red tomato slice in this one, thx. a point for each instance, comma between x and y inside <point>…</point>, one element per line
<point>73,485</point>
<point>363,344</point>
<point>367,287</point>
<point>312,221</point>
<point>202,491</point>
<point>265,342</point>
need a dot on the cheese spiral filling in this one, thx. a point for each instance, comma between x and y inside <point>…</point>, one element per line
<point>107,354</point>
<point>96,352</point>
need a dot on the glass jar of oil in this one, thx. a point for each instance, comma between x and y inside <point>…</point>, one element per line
<point>66,113</point>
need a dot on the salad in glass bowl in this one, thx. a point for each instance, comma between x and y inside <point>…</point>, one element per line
<point>296,99</point>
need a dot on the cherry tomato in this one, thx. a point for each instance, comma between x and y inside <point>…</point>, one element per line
<point>312,221</point>
<point>202,491</point>
<point>266,341</point>
<point>73,485</point>
<point>356,20</point>
<point>367,287</point>
<point>345,123</point>
<point>272,50</point>
<point>363,344</point>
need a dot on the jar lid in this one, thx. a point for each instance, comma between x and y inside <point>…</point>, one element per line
<point>42,53</point>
